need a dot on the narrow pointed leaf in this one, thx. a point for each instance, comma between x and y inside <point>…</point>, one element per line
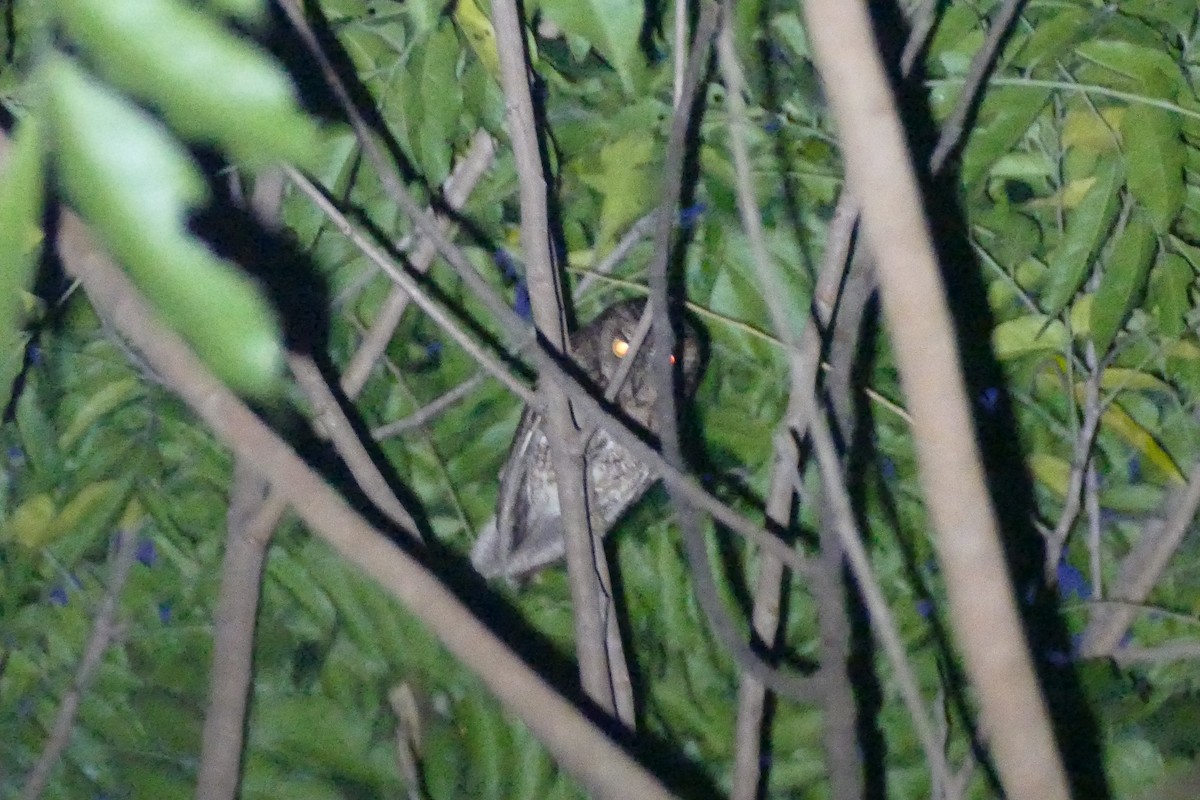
<point>1087,228</point>
<point>1123,281</point>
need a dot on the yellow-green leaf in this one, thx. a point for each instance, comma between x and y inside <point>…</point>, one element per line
<point>481,36</point>
<point>1117,420</point>
<point>1086,129</point>
<point>1087,228</point>
<point>1028,334</point>
<point>31,521</point>
<point>1121,378</point>
<point>102,402</point>
<point>104,498</point>
<point>1052,472</point>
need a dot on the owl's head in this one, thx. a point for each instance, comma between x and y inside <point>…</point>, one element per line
<point>606,342</point>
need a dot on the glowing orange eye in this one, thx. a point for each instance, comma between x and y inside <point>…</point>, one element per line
<point>672,359</point>
<point>620,347</point>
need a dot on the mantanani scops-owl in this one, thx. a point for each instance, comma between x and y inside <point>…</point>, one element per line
<point>526,533</point>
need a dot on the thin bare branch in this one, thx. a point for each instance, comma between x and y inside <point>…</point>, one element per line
<point>922,20</point>
<point>104,631</point>
<point>1160,654</point>
<point>462,181</point>
<point>1080,461</point>
<point>803,357</point>
<point>430,411</point>
<point>333,422</point>
<point>791,685</point>
<point>882,622</point>
<point>680,38</point>
<point>636,233</point>
<point>409,284</point>
<point>981,65</point>
<point>1140,570</point>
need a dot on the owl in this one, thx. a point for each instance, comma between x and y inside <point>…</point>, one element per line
<point>526,533</point>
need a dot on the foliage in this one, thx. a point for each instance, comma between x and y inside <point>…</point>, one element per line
<point>1078,183</point>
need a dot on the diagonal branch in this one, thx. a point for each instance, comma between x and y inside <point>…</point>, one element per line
<point>1141,569</point>
<point>462,181</point>
<point>582,750</point>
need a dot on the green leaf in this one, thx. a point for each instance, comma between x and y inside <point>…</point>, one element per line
<point>317,732</point>
<point>1004,117</point>
<point>1155,156</point>
<point>37,433</point>
<point>90,514</point>
<point>270,781</point>
<point>209,83</point>
<point>112,396</point>
<point>444,761</point>
<point>20,234</point>
<point>628,185</point>
<point>1029,334</point>
<point>137,197</point>
<point>612,27</point>
<point>149,777</point>
<point>440,97</point>
<point>1169,296</point>
<point>535,771</point>
<point>488,744</point>
<point>1051,37</point>
<point>1134,498</point>
<point>1008,235</point>
<point>1154,71</point>
<point>1087,228</point>
<point>1123,281</point>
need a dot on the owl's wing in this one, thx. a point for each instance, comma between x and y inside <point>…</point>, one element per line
<point>486,554</point>
<point>542,545</point>
<point>502,546</point>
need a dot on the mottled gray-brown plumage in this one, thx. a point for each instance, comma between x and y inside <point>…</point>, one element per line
<point>527,534</point>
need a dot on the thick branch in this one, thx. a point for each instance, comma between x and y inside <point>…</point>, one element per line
<point>983,610</point>
<point>588,597</point>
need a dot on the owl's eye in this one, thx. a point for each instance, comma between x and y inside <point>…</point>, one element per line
<point>620,349</point>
